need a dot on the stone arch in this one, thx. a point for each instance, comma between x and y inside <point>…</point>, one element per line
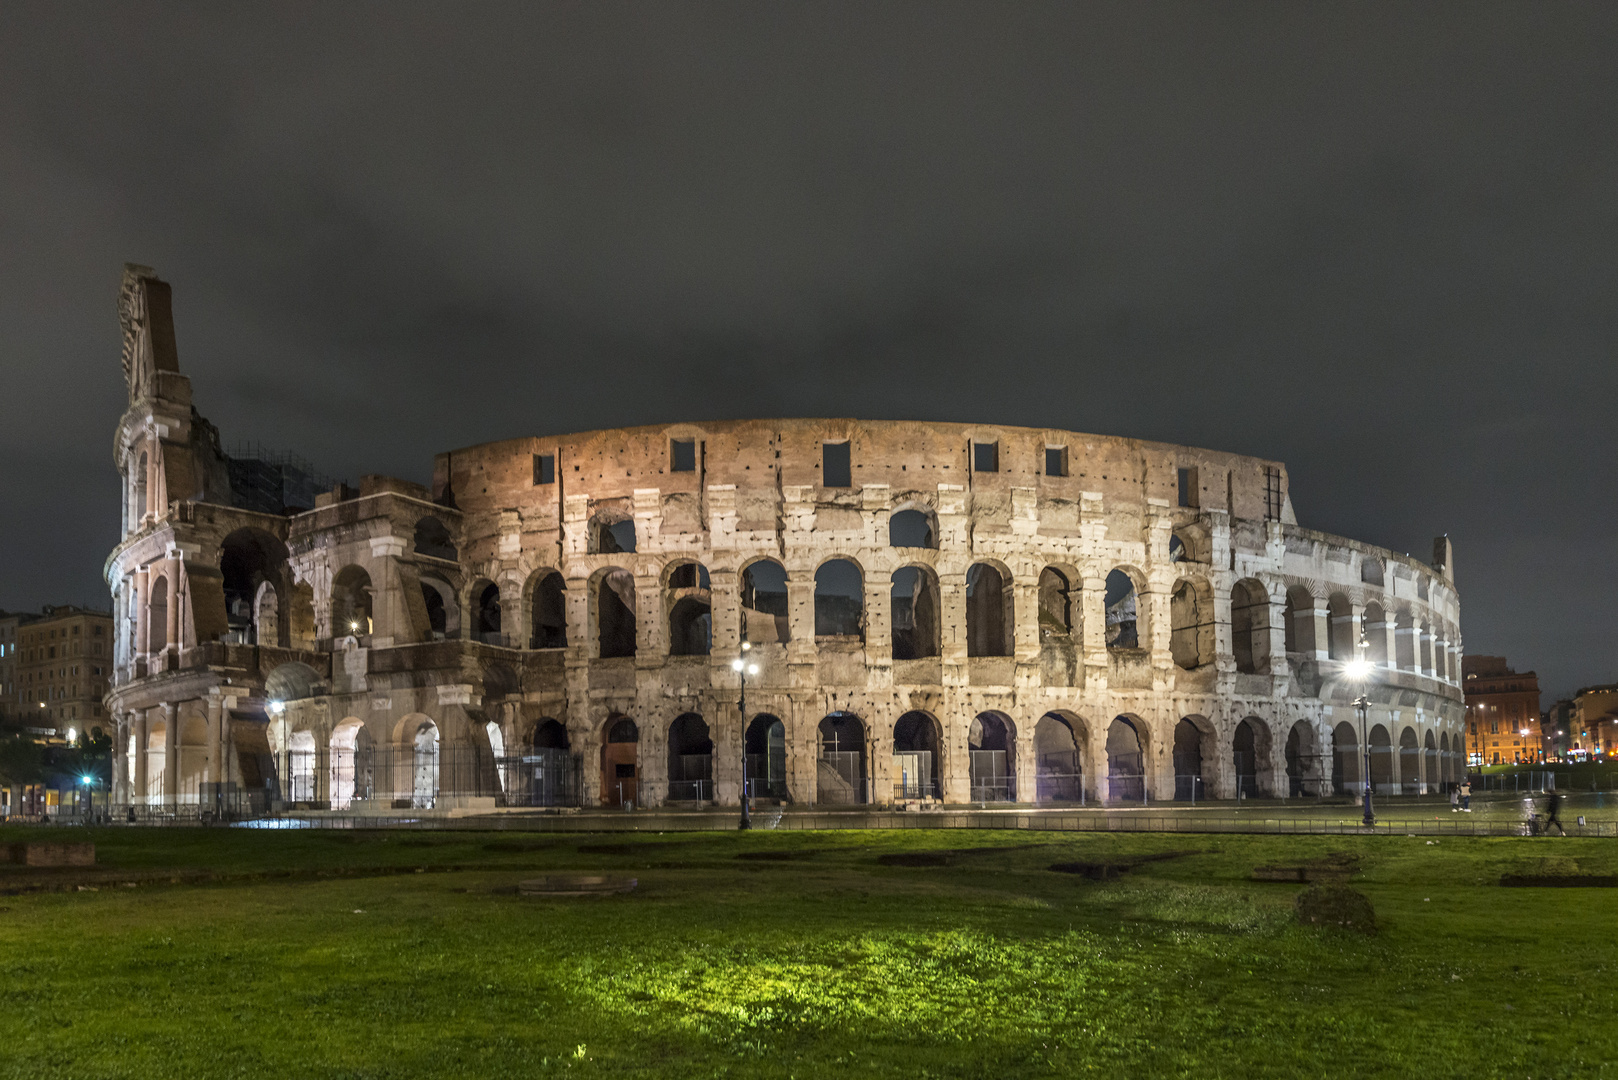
<point>620,761</point>
<point>484,608</point>
<point>765,747</point>
<point>1304,760</point>
<point>1250,753</point>
<point>443,608</point>
<point>1431,778</point>
<point>156,758</point>
<point>1340,628</point>
<point>1446,765</point>
<point>1250,626</point>
<point>1056,606</point>
<point>433,539</point>
<point>301,767</point>
<point>690,750</point>
<point>1299,621</point>
<point>614,596</point>
<point>292,681</point>
<point>353,764</point>
<point>249,561</point>
<point>688,592</point>
<point>1404,633</point>
<point>612,532</point>
<point>191,746</point>
<point>417,744</point>
<point>992,757</point>
<point>1126,759</point>
<point>913,526</point>
<point>1409,762</point>
<point>842,773</point>
<point>351,602</point>
<point>1191,623</point>
<point>839,599</point>
<point>990,622</point>
<point>1374,621</point>
<point>764,602</point>
<point>546,597</point>
<point>915,613</point>
<point>157,612</point>
<point>918,742</point>
<point>1194,758</point>
<point>1347,770</point>
<point>267,615</point>
<point>141,507</point>
<point>1382,761</point>
<point>1058,757</point>
<point>1126,628</point>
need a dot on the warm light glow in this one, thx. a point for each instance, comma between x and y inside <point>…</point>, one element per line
<point>736,665</point>
<point>752,669</point>
<point>353,626</point>
<point>746,645</point>
<point>1358,670</point>
<point>72,733</point>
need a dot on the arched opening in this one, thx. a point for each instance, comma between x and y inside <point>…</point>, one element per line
<point>300,633</point>
<point>1409,762</point>
<point>1189,783</point>
<point>690,610</point>
<point>690,760</point>
<point>1250,753</point>
<point>249,561</point>
<point>1300,621</point>
<point>547,775</point>
<point>840,774</point>
<point>1371,571</point>
<point>1058,766</point>
<point>1055,605</point>
<point>140,490</point>
<point>1381,760</point>
<point>839,600</point>
<point>914,612</point>
<point>615,614</point>
<point>988,612</point>
<point>301,767</point>
<point>1178,551</point>
<point>612,537</point>
<point>353,764</point>
<point>157,614</point>
<point>1404,641</point>
<point>486,602</point>
<point>1375,623</point>
<point>156,758</point>
<point>292,682</point>
<point>497,749</point>
<point>1126,762</point>
<point>764,603</point>
<point>1191,624</point>
<point>1432,779</point>
<point>1446,763</point>
<point>192,747</point>
<point>424,766</point>
<point>548,607</point>
<point>1250,626</point>
<point>267,616</point>
<point>912,529</point>
<point>1346,778</point>
<point>620,777</point>
<point>1340,632</point>
<point>1123,625</point>
<point>1303,760</point>
<point>443,612</point>
<point>916,756</point>
<point>1424,649</point>
<point>351,602</point>
<point>766,749</point>
<point>991,758</point>
<point>433,540</point>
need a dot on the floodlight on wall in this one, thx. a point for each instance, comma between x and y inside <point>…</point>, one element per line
<point>275,707</point>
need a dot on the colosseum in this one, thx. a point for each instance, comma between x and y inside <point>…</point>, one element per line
<point>827,611</point>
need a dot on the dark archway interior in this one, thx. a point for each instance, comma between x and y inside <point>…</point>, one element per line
<point>615,614</point>
<point>1188,779</point>
<point>839,600</point>
<point>915,613</point>
<point>549,603</point>
<point>911,528</point>
<point>1122,619</point>
<point>433,540</point>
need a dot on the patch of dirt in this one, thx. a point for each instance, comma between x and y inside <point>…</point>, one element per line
<point>1113,869</point>
<point>1559,881</point>
<point>1336,867</point>
<point>779,856</point>
<point>1336,905</point>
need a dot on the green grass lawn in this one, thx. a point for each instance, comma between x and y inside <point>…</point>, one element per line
<point>827,965</point>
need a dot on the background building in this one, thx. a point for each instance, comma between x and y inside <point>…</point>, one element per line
<point>58,669</point>
<point>1502,713</point>
<point>1595,720</point>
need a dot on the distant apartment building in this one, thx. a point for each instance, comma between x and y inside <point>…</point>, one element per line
<point>1595,721</point>
<point>56,669</point>
<point>1502,713</point>
<point>1560,726</point>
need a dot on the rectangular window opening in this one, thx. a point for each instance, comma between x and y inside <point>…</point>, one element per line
<point>1056,461</point>
<point>544,469</point>
<point>683,455</point>
<point>985,457</point>
<point>1272,493</point>
<point>1188,487</point>
<point>835,471</point>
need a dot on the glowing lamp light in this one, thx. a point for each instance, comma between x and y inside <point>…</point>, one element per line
<point>72,733</point>
<point>353,626</point>
<point>1358,670</point>
<point>276,707</point>
<point>88,780</point>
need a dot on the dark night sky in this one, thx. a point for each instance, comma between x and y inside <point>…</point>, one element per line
<point>1377,242</point>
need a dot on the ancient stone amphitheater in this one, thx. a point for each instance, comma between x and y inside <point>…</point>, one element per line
<point>839,611</point>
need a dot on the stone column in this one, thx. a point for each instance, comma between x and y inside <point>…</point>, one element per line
<point>142,779</point>
<point>120,759</point>
<point>173,567</point>
<point>1320,625</point>
<point>143,624</point>
<point>213,771</point>
<point>878,619</point>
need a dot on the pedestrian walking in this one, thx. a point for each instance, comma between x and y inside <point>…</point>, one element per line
<point>1454,798</point>
<point>1466,796</point>
<point>1553,814</point>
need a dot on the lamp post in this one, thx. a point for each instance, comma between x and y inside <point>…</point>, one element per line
<point>1359,669</point>
<point>743,669</point>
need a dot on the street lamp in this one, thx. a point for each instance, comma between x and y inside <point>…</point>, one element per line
<point>743,669</point>
<point>1359,670</point>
